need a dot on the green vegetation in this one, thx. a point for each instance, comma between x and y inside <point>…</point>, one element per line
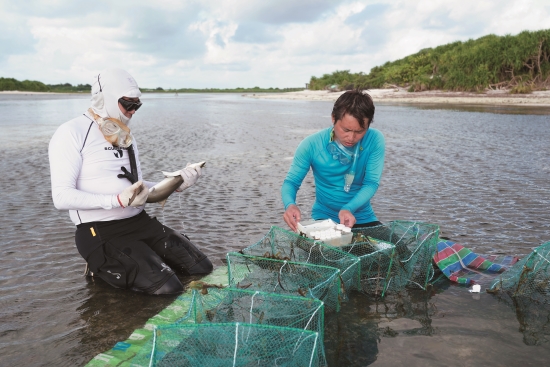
<point>10,84</point>
<point>520,63</point>
<point>34,86</point>
<point>68,88</point>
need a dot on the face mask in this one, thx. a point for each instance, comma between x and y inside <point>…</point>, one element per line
<point>346,157</point>
<point>114,131</point>
<point>339,152</point>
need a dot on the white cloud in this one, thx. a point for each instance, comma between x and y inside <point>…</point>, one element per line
<point>211,43</point>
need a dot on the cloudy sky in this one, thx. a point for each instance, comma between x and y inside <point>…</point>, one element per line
<point>238,43</point>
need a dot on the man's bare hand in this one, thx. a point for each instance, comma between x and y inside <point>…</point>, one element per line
<point>292,216</point>
<point>346,218</point>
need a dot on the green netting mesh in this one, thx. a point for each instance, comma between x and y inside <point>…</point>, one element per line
<point>529,277</point>
<point>286,277</point>
<point>210,304</point>
<point>415,244</point>
<point>255,307</point>
<point>233,344</point>
<point>281,244</point>
<point>379,265</point>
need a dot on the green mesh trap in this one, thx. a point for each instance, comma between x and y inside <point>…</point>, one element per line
<point>281,244</point>
<point>285,277</point>
<point>379,265</point>
<point>529,277</point>
<point>410,265</point>
<point>255,307</point>
<point>213,304</point>
<point>233,344</point>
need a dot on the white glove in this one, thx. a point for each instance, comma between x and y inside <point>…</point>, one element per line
<point>134,195</point>
<point>190,176</point>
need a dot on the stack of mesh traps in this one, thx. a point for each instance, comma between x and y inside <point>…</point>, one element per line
<point>525,288</point>
<point>272,312</point>
<point>395,255</point>
<point>280,244</point>
<point>286,277</point>
<point>238,327</point>
<point>233,344</point>
<point>528,278</point>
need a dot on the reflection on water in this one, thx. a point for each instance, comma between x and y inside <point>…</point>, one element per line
<point>533,318</point>
<point>352,335</point>
<point>483,177</point>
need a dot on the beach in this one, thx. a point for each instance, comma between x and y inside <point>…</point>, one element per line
<point>401,95</point>
<point>392,96</point>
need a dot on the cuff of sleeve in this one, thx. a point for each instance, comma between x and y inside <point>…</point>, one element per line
<point>289,204</point>
<point>114,202</point>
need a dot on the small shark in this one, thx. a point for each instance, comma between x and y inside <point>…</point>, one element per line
<point>161,191</point>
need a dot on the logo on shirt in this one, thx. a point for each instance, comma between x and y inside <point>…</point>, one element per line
<point>118,152</point>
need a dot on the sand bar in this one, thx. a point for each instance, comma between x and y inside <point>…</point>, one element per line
<point>397,95</point>
<point>400,95</point>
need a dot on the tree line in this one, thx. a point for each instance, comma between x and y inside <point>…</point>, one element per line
<point>519,63</point>
<point>11,84</point>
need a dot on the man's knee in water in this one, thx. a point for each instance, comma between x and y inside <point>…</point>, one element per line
<point>183,255</point>
<point>202,267</point>
<point>172,286</point>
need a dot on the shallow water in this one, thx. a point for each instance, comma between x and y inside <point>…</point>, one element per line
<point>481,175</point>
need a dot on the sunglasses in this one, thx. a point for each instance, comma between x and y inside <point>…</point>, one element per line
<point>130,105</point>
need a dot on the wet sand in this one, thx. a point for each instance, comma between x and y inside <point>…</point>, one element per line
<point>482,177</point>
<point>400,95</point>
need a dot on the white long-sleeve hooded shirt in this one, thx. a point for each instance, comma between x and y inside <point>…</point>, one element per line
<point>84,166</point>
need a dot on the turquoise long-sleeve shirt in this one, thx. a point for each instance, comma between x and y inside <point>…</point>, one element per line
<point>328,173</point>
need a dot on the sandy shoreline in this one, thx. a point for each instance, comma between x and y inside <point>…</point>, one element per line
<point>397,95</point>
<point>539,98</point>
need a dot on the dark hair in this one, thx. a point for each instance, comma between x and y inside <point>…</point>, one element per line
<point>356,103</point>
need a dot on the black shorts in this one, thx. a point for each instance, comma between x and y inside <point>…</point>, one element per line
<point>138,252</point>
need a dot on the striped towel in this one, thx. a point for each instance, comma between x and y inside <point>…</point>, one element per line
<point>463,266</point>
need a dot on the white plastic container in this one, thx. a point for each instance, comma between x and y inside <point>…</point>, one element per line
<point>327,231</point>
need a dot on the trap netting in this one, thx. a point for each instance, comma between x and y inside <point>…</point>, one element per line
<point>225,305</point>
<point>281,244</point>
<point>379,265</point>
<point>410,264</point>
<point>233,344</point>
<point>285,277</point>
<point>254,307</point>
<point>529,277</point>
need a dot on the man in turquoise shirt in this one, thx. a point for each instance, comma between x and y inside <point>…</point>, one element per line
<point>347,162</point>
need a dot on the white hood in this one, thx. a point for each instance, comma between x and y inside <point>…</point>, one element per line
<point>107,88</point>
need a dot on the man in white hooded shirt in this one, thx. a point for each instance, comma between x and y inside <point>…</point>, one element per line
<point>96,175</point>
